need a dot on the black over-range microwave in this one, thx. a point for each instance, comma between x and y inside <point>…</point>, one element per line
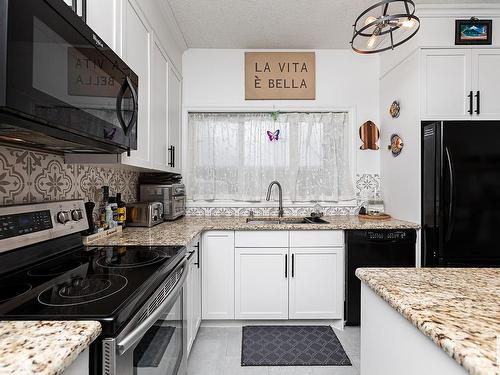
<point>61,87</point>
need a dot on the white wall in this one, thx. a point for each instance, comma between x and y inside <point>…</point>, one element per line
<point>400,176</point>
<point>213,79</point>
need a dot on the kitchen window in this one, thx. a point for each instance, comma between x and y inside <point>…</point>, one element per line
<point>234,156</point>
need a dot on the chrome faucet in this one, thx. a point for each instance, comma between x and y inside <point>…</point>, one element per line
<point>280,196</point>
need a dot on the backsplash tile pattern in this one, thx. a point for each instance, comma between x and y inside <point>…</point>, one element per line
<point>32,176</point>
<point>366,185</point>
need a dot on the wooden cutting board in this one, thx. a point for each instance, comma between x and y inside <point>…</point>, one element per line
<point>375,217</point>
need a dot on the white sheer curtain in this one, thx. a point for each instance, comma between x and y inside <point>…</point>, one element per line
<point>230,156</point>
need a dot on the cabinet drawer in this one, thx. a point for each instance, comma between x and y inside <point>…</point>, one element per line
<point>316,238</point>
<point>261,239</point>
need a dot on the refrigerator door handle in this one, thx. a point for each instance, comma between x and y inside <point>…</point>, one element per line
<point>478,102</point>
<point>471,94</point>
<point>450,206</point>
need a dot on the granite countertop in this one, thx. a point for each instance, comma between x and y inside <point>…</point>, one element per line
<point>459,309</point>
<point>43,347</point>
<point>183,231</point>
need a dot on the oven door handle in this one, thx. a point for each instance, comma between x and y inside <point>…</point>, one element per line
<point>128,341</point>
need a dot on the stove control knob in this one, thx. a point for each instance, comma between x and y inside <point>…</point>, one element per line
<point>76,215</point>
<point>63,217</point>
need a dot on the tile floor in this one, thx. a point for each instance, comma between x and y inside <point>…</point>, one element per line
<point>217,351</point>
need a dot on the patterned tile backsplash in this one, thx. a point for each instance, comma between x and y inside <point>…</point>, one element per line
<point>32,176</point>
<point>366,185</point>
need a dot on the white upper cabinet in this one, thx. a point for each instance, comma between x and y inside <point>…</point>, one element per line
<point>446,84</point>
<point>486,83</point>
<point>102,18</point>
<point>460,84</point>
<point>127,27</point>
<point>174,120</point>
<point>159,104</point>
<point>136,52</point>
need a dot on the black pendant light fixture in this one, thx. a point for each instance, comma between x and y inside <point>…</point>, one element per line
<point>384,26</point>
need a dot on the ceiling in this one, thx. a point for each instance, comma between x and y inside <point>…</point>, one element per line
<point>289,24</point>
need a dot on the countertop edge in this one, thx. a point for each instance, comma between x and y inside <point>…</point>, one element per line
<point>182,231</point>
<point>425,327</point>
<point>44,347</point>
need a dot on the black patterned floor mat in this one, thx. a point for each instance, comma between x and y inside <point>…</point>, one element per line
<point>292,346</point>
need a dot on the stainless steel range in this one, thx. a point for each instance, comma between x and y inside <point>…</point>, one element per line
<point>135,292</point>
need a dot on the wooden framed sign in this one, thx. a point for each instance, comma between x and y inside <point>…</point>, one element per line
<point>280,75</point>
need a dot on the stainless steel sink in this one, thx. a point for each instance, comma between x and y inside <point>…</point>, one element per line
<point>251,220</point>
<point>291,220</point>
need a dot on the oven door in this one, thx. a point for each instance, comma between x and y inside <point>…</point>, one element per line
<point>61,75</point>
<point>154,342</point>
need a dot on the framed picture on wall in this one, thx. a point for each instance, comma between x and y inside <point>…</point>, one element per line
<point>473,32</point>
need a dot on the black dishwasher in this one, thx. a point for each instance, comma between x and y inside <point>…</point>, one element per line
<point>373,248</point>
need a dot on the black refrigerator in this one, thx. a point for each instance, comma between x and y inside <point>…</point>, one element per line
<point>461,194</point>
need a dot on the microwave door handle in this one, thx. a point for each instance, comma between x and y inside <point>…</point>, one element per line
<point>133,120</point>
<point>127,83</point>
<point>133,337</point>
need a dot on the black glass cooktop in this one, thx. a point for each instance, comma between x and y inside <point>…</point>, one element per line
<point>100,283</point>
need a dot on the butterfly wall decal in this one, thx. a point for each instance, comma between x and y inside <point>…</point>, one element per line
<point>273,136</point>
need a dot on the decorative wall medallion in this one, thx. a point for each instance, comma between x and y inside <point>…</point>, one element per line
<point>369,134</point>
<point>396,145</point>
<point>395,109</point>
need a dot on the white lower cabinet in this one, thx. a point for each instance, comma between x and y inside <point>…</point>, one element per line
<point>288,275</point>
<point>261,283</point>
<point>316,283</point>
<point>193,293</point>
<point>252,275</point>
<point>80,366</point>
<point>217,259</point>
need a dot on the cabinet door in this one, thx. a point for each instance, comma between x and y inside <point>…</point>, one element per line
<point>261,283</point>
<point>174,120</point>
<point>193,297</point>
<point>316,283</point>
<point>188,303</point>
<point>159,113</point>
<point>446,84</point>
<point>218,275</point>
<point>196,287</point>
<point>486,81</point>
<point>102,17</point>
<point>136,52</point>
